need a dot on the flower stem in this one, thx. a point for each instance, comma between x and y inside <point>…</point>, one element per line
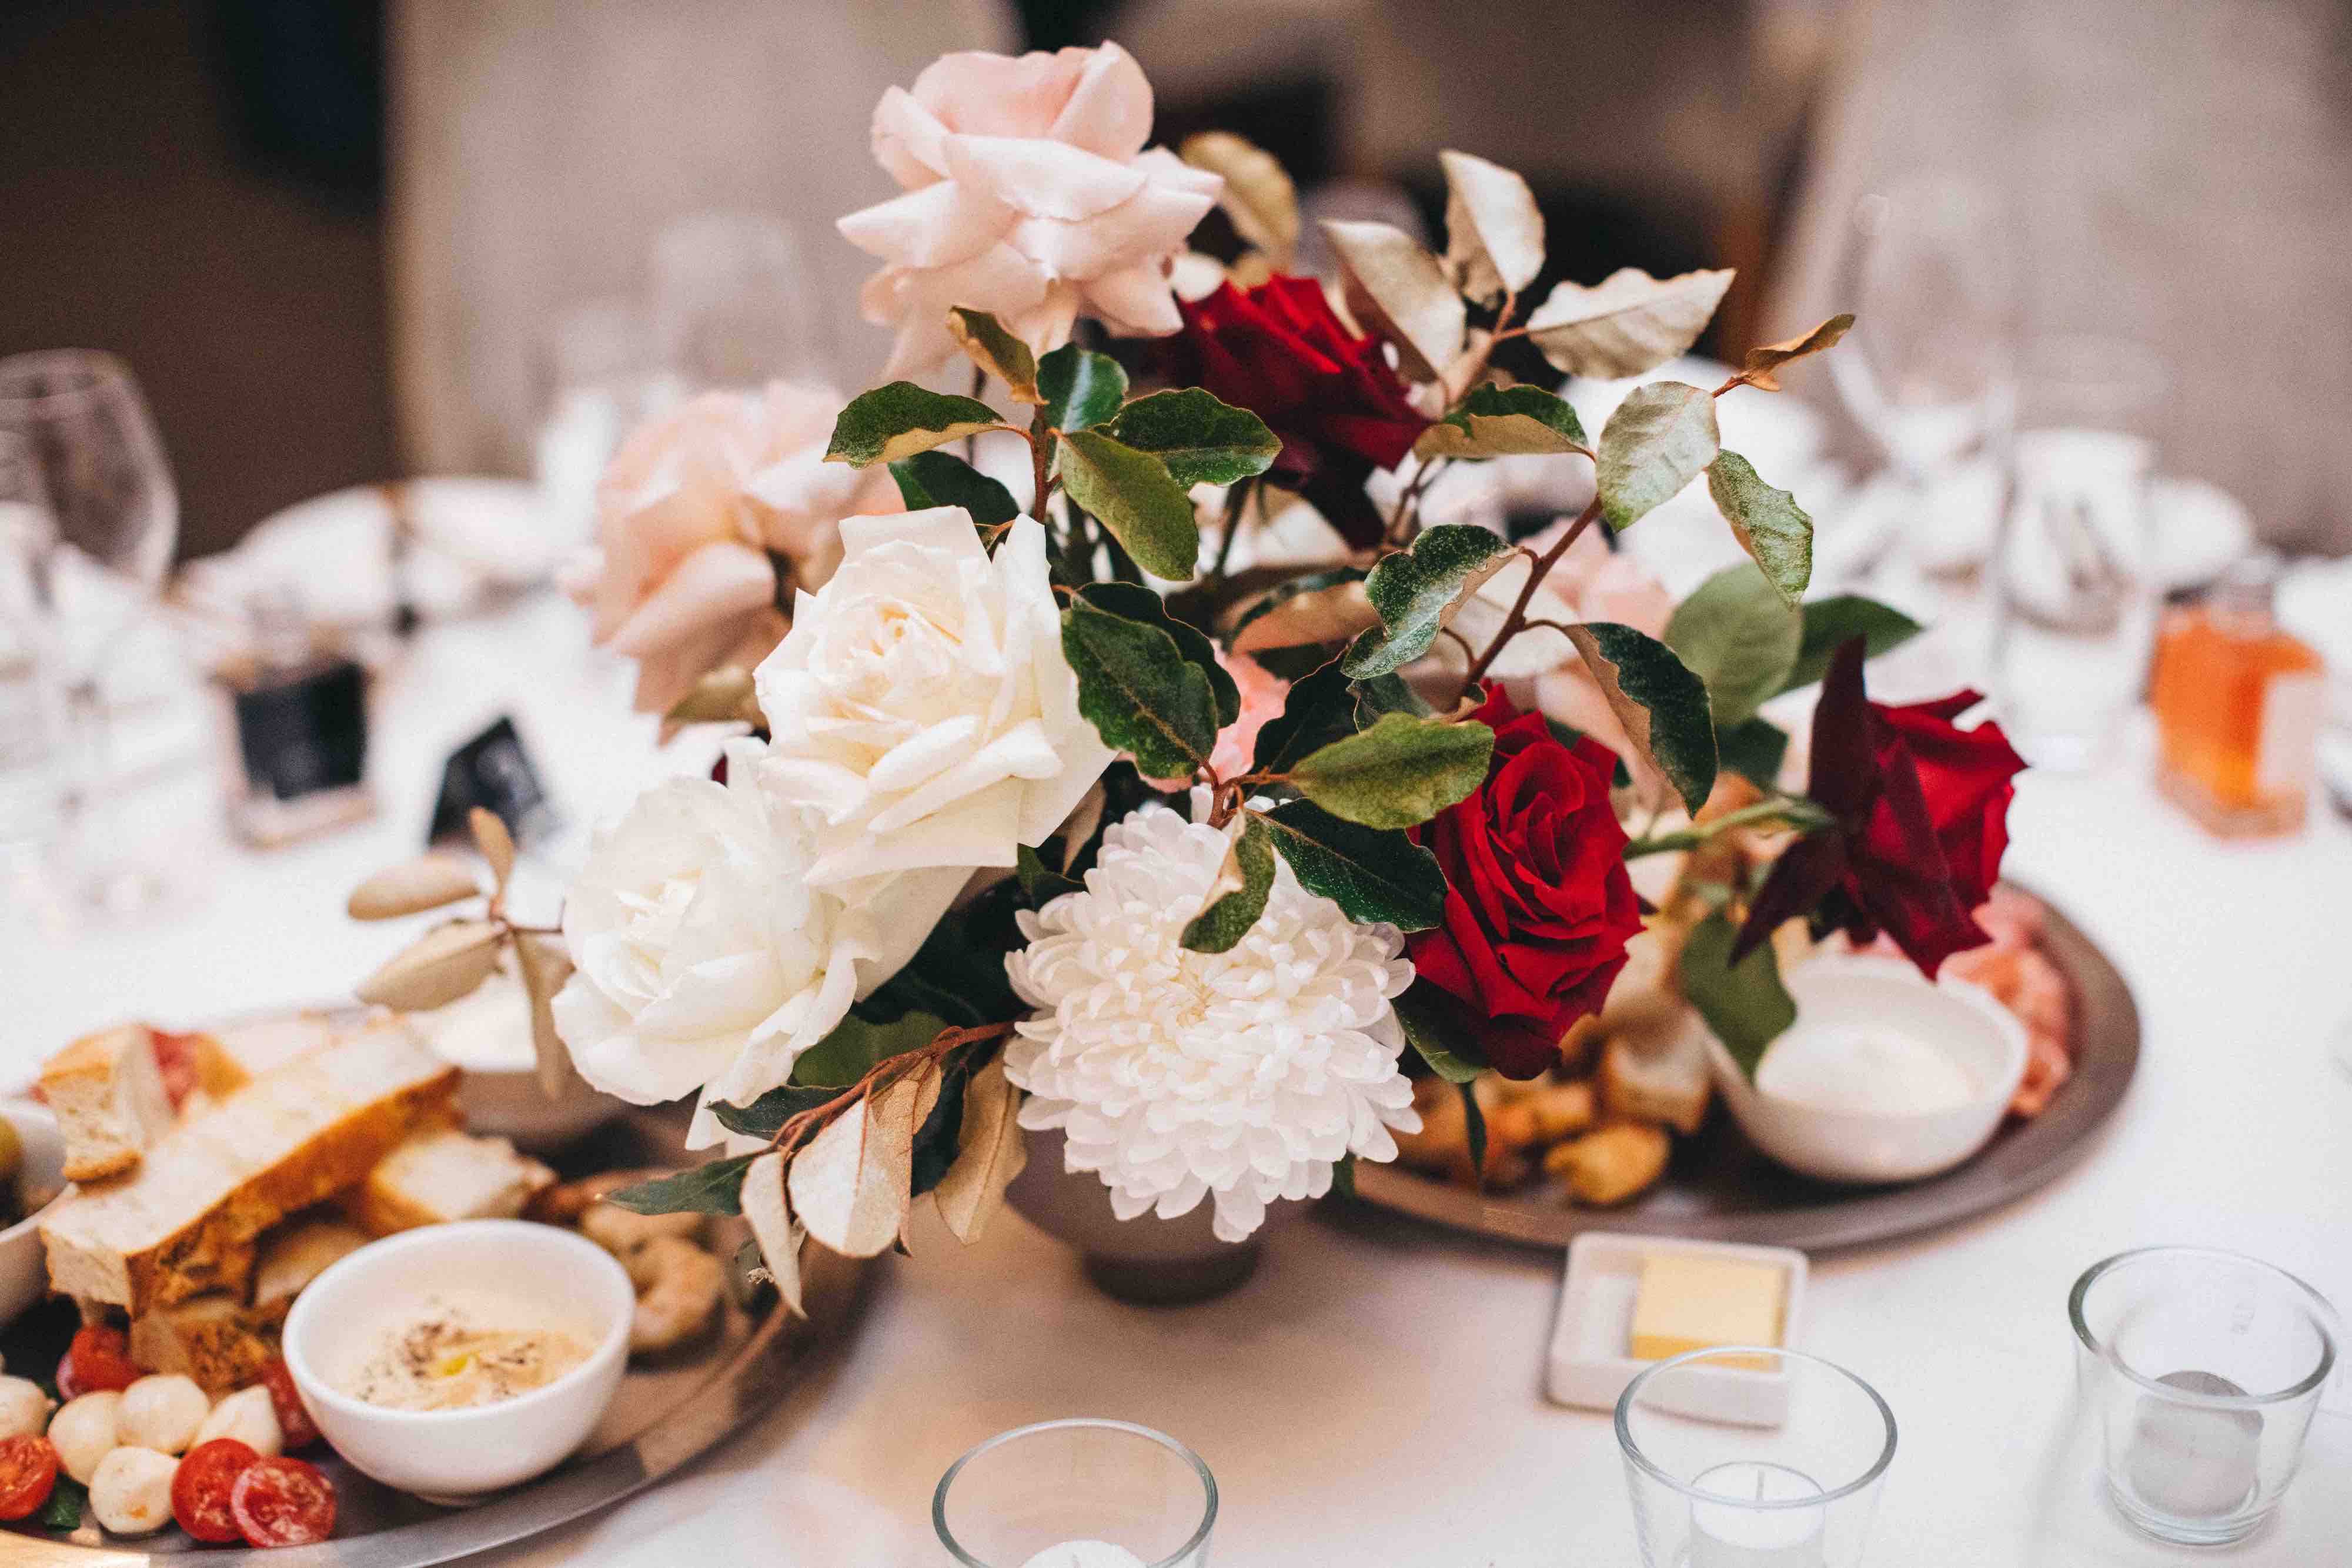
<point>1516,620</point>
<point>1787,810</point>
<point>882,1074</point>
<point>1236,498</point>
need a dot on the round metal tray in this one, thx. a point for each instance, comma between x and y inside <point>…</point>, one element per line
<point>1720,1188</point>
<point>669,1411</point>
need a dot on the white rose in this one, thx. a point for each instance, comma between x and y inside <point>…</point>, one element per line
<point>923,716</point>
<point>1029,195</point>
<point>704,957</point>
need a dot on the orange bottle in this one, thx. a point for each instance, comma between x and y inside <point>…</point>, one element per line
<point>2238,709</point>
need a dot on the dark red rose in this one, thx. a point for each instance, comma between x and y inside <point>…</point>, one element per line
<point>1921,809</point>
<point>1281,351</point>
<point>1537,905</point>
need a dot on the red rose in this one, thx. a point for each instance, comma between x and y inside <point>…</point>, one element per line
<point>1537,905</point>
<point>1280,352</point>
<point>1921,809</point>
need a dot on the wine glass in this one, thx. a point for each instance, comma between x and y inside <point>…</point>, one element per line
<point>28,716</point>
<point>116,519</point>
<point>729,302</point>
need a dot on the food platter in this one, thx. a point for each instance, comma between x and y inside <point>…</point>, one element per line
<point>669,1411</point>
<point>1719,1187</point>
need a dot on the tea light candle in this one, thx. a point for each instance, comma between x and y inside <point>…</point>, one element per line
<point>1729,1535</point>
<point>2191,1461</point>
<point>1085,1554</point>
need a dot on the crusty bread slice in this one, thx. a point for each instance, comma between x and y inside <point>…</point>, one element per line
<point>242,1053</point>
<point>310,1128</point>
<point>215,1339</point>
<point>108,1099</point>
<point>443,1175</point>
<point>297,1253</point>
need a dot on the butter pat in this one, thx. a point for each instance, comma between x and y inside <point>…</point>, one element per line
<point>1691,1301</point>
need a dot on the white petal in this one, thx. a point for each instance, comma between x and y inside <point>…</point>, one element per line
<point>1043,178</point>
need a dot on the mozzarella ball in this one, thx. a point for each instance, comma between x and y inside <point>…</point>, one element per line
<point>131,1492</point>
<point>23,1408</point>
<point>249,1418</point>
<point>161,1413</point>
<point>83,1433</point>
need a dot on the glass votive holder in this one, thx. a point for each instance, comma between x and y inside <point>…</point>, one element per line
<point>2202,1369</point>
<point>1080,1493</point>
<point>1798,1494</point>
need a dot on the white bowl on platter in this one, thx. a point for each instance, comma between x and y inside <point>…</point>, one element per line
<point>1964,1022</point>
<point>24,1261</point>
<point>458,1456</point>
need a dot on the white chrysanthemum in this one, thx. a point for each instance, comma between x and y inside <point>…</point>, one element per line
<point>1176,1075</point>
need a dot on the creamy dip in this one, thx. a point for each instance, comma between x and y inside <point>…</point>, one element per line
<point>453,1350</point>
<point>1859,1067</point>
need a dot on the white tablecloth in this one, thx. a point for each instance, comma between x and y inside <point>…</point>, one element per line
<point>1372,1398</point>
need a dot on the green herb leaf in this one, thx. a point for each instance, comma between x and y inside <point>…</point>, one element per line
<point>1320,708</point>
<point>1040,883</point>
<point>942,480</point>
<point>1082,388</point>
<point>900,420</point>
<point>937,1140</point>
<point>1494,230</point>
<point>1735,633</point>
<point>1660,703</point>
<point>1399,773</point>
<point>1202,440</point>
<point>856,1046</point>
<point>1387,694</point>
<point>1754,749</point>
<point>1504,421</point>
<point>1137,602</point>
<point>1745,1004</point>
<point>1628,325</point>
<point>1343,1177</point>
<point>1769,524</point>
<point>957,975</point>
<point>1373,875</point>
<point>1831,622</point>
<point>67,1499</point>
<point>1659,439</point>
<point>995,349</point>
<point>770,1111</point>
<point>1138,691</point>
<point>1416,590</point>
<point>1436,1028</point>
<point>714,1188</point>
<point>1132,494</point>
<point>1473,1122</point>
<point>1763,361</point>
<point>1246,879</point>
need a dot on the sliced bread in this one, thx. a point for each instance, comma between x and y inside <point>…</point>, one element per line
<point>443,1175</point>
<point>109,1098</point>
<point>215,1339</point>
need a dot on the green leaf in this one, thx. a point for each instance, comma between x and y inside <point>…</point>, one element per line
<point>1132,494</point>
<point>1474,1123</point>
<point>1659,439</point>
<point>900,420</point>
<point>1202,440</point>
<point>993,349</point>
<point>1320,708</point>
<point>1735,633</point>
<point>1373,875</point>
<point>1628,325</point>
<point>938,1139</point>
<point>1763,361</point>
<point>1754,749</point>
<point>1327,606</point>
<point>1416,590</point>
<point>770,1111</point>
<point>1399,773</point>
<point>1140,692</point>
<point>1436,1028</point>
<point>856,1046</point>
<point>1388,694</point>
<point>957,975</point>
<point>1082,388</point>
<point>1504,421</point>
<point>714,1188</point>
<point>1745,1004</point>
<point>63,1511</point>
<point>1040,883</point>
<point>1343,1177</point>
<point>1137,602</point>
<point>1660,703</point>
<point>1246,878</point>
<point>943,479</point>
<point>1839,617</point>
<point>1770,525</point>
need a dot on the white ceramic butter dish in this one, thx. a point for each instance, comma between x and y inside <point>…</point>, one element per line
<point>1590,1367</point>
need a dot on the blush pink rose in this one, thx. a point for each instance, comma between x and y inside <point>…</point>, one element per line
<point>1029,195</point>
<point>693,517</point>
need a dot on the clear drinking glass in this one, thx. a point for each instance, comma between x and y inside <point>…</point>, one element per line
<point>30,720</point>
<point>2075,595</point>
<point>1798,1494</point>
<point>1081,1493</point>
<point>2203,1370</point>
<point>117,518</point>
<point>729,302</point>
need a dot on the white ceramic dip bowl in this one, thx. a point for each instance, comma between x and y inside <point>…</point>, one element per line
<point>24,1264</point>
<point>1964,1052</point>
<point>457,1455</point>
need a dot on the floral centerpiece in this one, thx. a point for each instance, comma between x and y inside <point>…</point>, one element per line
<point>1053,816</point>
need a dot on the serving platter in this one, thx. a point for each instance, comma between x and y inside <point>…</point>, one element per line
<point>670,1410</point>
<point>1719,1187</point>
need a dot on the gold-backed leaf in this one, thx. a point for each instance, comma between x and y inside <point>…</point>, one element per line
<point>448,963</point>
<point>412,887</point>
<point>1493,231</point>
<point>1333,614</point>
<point>723,696</point>
<point>1258,195</point>
<point>1399,291</point>
<point>1628,324</point>
<point>991,1153</point>
<point>773,1226</point>
<point>1763,361</point>
<point>991,346</point>
<point>545,965</point>
<point>849,1184</point>
<point>490,836</point>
